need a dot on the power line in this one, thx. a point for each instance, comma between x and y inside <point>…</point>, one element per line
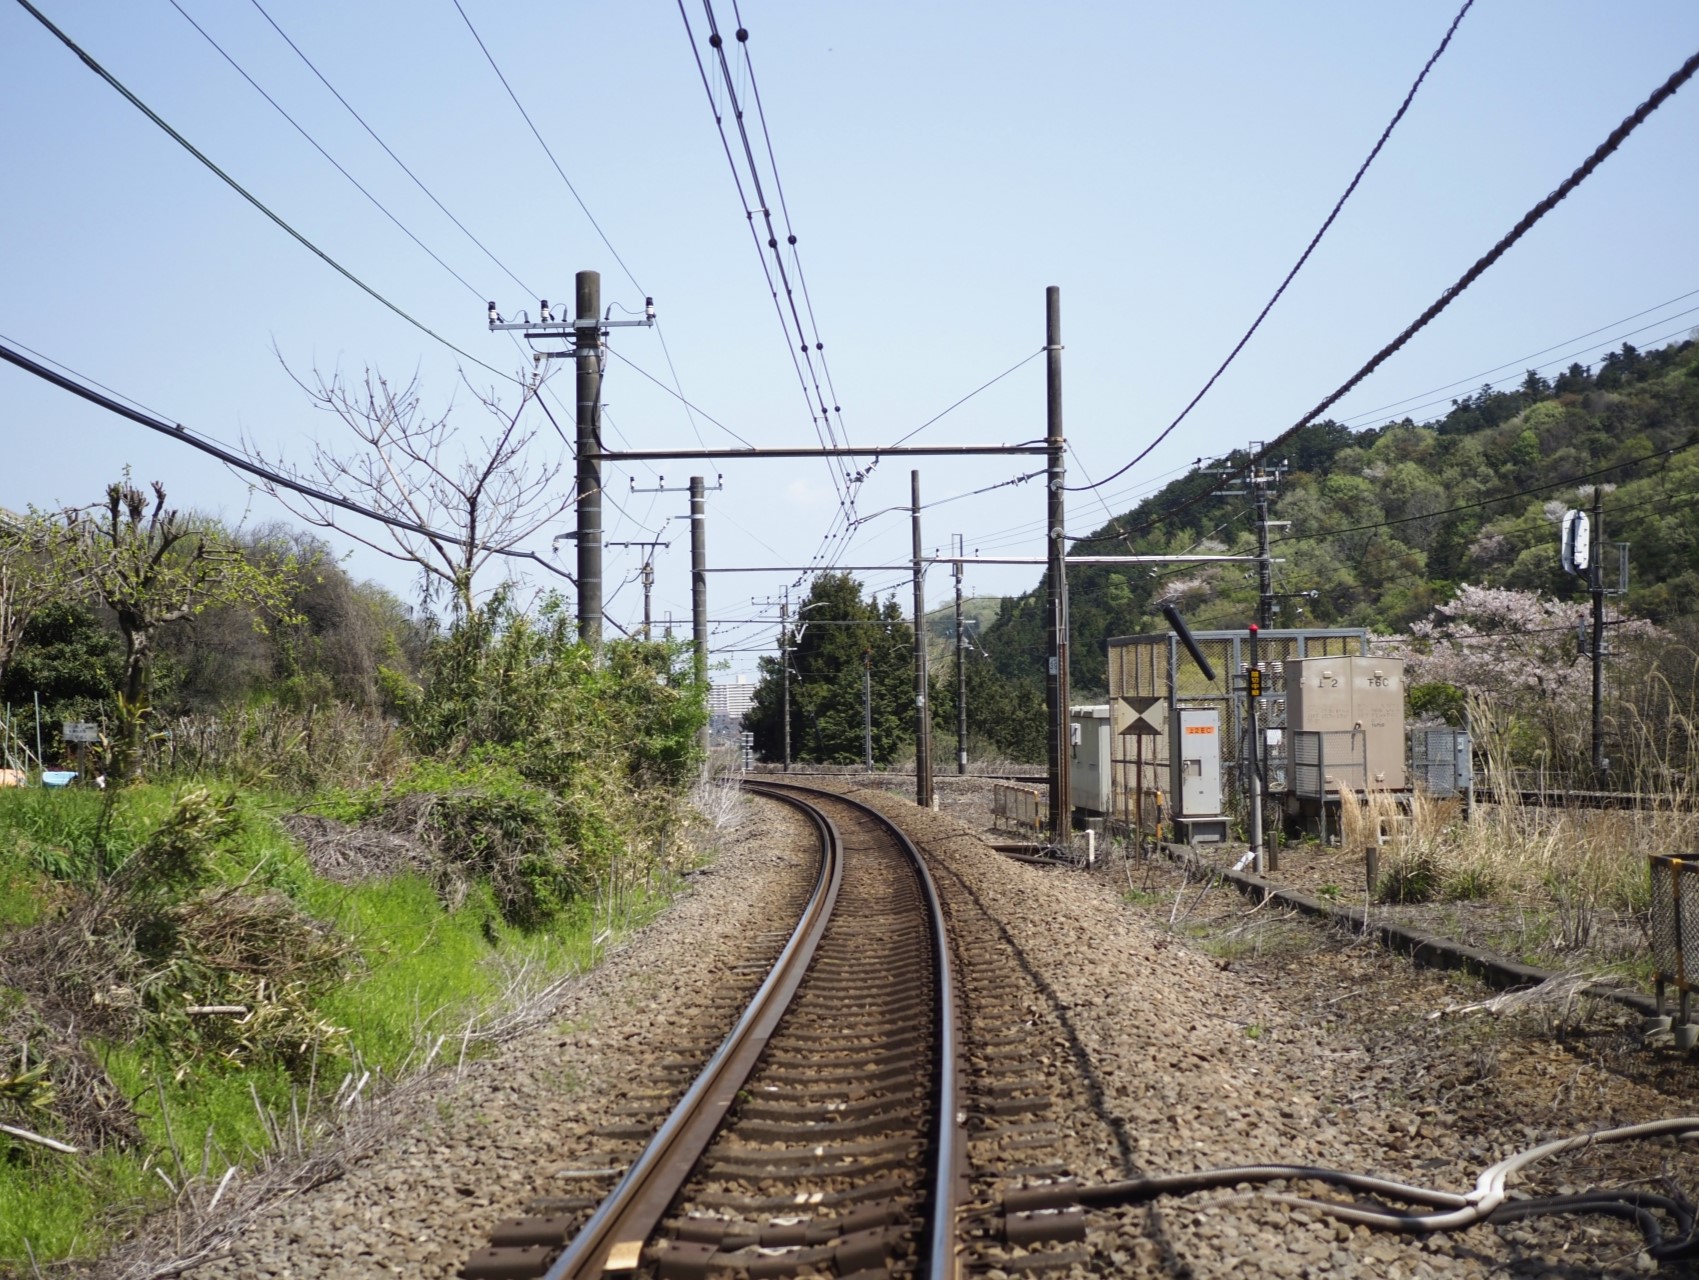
<point>1651,344</point>
<point>1599,155</point>
<point>1302,258</point>
<point>242,191</point>
<point>176,431</point>
<point>984,386</point>
<point>1518,362</point>
<point>1487,502</point>
<point>417,181</point>
<point>278,107</point>
<point>490,58</point>
<point>822,429</point>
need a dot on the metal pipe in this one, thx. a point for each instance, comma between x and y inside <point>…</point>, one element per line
<point>838,451</point>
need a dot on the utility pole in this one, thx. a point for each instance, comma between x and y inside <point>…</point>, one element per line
<point>584,331</point>
<point>867,709</point>
<point>699,589</point>
<point>1596,580</point>
<point>922,713</point>
<point>1056,677</point>
<point>1253,695</point>
<point>586,327</point>
<point>961,669</point>
<point>1265,566</point>
<point>785,665</point>
<point>648,577</point>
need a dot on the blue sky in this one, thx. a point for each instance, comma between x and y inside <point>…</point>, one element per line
<point>942,164</point>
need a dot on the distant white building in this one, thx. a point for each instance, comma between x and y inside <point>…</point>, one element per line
<point>726,705</point>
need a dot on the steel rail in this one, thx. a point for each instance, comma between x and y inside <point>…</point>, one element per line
<point>942,1258</point>
<point>612,1240</point>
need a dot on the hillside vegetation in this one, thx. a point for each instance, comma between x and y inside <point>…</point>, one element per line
<point>1385,524</point>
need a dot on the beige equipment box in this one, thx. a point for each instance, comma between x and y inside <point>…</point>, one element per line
<point>1347,695</point>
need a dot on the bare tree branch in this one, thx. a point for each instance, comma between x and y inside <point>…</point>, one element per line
<point>478,493</point>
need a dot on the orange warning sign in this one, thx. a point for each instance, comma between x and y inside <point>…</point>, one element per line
<point>1200,728</point>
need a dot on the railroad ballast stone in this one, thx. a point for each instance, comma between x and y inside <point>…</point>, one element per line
<point>1162,1057</point>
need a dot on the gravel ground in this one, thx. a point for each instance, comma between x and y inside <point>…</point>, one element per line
<point>1233,1035</point>
<point>519,1125</point>
<point>1244,1036</point>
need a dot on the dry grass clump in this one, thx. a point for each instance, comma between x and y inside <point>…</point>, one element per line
<point>151,954</point>
<point>298,750</point>
<point>352,853</point>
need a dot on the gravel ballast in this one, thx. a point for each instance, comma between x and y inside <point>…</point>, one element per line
<point>1238,1035</point>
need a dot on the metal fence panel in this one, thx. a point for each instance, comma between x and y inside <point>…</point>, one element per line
<point>1441,761</point>
<point>1017,806</point>
<point>1675,917</point>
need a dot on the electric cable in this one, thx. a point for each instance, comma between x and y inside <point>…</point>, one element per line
<point>417,181</point>
<point>696,408</point>
<point>247,195</point>
<point>314,143</point>
<point>1452,1212</point>
<point>969,396</point>
<point>1651,345</point>
<point>823,432</point>
<point>490,58</point>
<point>1518,362</point>
<point>240,462</point>
<point>1582,172</point>
<point>1487,502</point>
<point>1304,257</point>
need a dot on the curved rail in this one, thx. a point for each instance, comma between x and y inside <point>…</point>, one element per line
<point>942,1257</point>
<point>613,1237</point>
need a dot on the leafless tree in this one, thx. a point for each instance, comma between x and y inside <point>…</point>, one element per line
<point>481,504</point>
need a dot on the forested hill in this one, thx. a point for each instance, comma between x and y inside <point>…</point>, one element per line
<point>1385,523</point>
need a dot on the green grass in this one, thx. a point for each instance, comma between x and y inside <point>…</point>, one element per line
<point>421,971</point>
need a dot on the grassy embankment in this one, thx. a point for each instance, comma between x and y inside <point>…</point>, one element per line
<point>381,974</point>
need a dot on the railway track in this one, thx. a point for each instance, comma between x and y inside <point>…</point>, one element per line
<point>827,1133</point>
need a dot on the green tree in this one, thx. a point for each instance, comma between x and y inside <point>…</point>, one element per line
<point>34,571</point>
<point>839,635</point>
<point>152,565</point>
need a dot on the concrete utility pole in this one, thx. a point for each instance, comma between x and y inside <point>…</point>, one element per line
<point>785,665</point>
<point>922,712</point>
<point>867,709</point>
<point>586,328</point>
<point>961,670</point>
<point>1253,696</point>
<point>699,587</point>
<point>647,574</point>
<point>1596,580</point>
<point>1056,676</point>
<point>1265,564</point>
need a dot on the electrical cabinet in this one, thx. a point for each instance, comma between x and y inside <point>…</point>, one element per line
<point>1353,694</point>
<point>1198,748</point>
<point>1090,758</point>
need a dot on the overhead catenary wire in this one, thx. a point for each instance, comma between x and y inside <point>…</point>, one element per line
<point>1479,267</point>
<point>1304,257</point>
<point>89,61</point>
<point>793,345</point>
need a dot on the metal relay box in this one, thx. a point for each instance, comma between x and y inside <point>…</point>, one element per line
<point>1351,693</point>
